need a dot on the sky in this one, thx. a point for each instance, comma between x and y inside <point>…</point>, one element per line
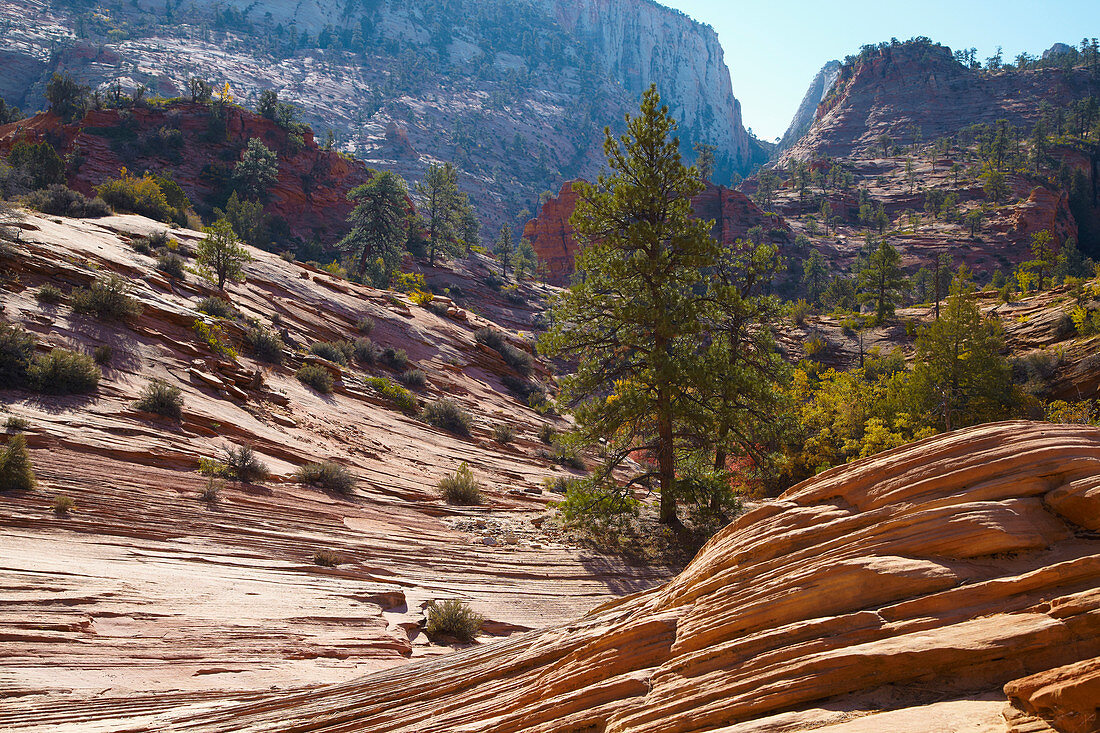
<point>774,48</point>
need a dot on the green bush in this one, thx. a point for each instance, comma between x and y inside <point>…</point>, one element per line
<point>49,294</point>
<point>161,398</point>
<point>103,354</point>
<point>447,415</point>
<point>414,378</point>
<point>547,433</point>
<point>62,505</point>
<point>212,491</point>
<point>395,358</point>
<point>567,456</point>
<point>217,307</point>
<point>453,618</point>
<point>266,345</point>
<point>16,350</point>
<point>171,264</point>
<point>365,351</point>
<point>137,195</point>
<point>461,487</point>
<point>17,423</point>
<point>315,376</point>
<point>401,398</point>
<point>504,433</point>
<point>365,325</point>
<point>242,464</point>
<point>799,310</point>
<point>326,558</point>
<point>518,359</point>
<point>327,475</point>
<point>63,372</point>
<point>333,351</point>
<point>16,472</point>
<point>61,200</point>
<point>107,298</point>
<point>40,162</point>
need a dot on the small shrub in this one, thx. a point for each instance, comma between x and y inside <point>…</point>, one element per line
<point>315,376</point>
<point>414,378</point>
<point>62,505</point>
<point>395,358</point>
<point>326,558</point>
<point>211,493</point>
<point>447,415</point>
<point>365,325</point>
<point>171,264</point>
<point>49,294</point>
<point>16,350</point>
<point>453,618</point>
<point>504,433</point>
<point>519,386</point>
<point>518,359</point>
<point>16,473</point>
<point>461,488</point>
<point>365,351</point>
<point>212,335</point>
<point>103,354</point>
<point>327,475</point>
<point>141,246</point>
<point>242,464</point>
<point>814,345</point>
<point>138,195</point>
<point>799,310</point>
<point>266,345</point>
<point>567,456</point>
<point>158,239</point>
<point>61,200</point>
<point>217,307</point>
<point>161,398</point>
<point>107,298</point>
<point>547,433</point>
<point>401,398</point>
<point>17,423</point>
<point>490,337</point>
<point>212,467</point>
<point>63,372</point>
<point>334,352</point>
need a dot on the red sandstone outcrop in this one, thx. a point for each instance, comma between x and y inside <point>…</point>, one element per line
<point>551,234</point>
<point>937,586</point>
<point>310,193</point>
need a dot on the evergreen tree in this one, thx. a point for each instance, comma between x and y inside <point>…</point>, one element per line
<point>440,192</point>
<point>704,160</point>
<point>960,376</point>
<point>1042,256</point>
<point>525,261</point>
<point>257,170</point>
<point>247,219</point>
<point>815,276</point>
<point>881,280</point>
<point>633,317</point>
<point>379,224</point>
<point>219,256</point>
<point>68,99</point>
<point>503,249</point>
<point>468,226</point>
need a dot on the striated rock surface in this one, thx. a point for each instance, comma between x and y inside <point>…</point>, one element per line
<point>806,113</point>
<point>550,233</point>
<point>931,587</point>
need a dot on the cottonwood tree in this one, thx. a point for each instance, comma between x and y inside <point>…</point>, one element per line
<point>379,227</point>
<point>639,319</point>
<point>220,257</point>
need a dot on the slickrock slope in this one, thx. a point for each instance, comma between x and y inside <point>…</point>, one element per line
<point>145,588</point>
<point>551,234</point>
<point>952,584</point>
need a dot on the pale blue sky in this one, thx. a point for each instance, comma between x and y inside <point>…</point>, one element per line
<point>774,48</point>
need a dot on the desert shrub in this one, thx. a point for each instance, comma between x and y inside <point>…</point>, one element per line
<point>395,358</point>
<point>103,354</point>
<point>40,162</point>
<point>799,310</point>
<point>490,337</point>
<point>16,472</point>
<point>61,200</point>
<point>217,307</point>
<point>212,467</point>
<point>447,415</point>
<point>453,618</point>
<point>171,264</point>
<point>365,351</point>
<point>547,433</point>
<point>518,359</point>
<point>315,376</point>
<point>266,345</point>
<point>242,464</point>
<point>63,372</point>
<point>414,378</point>
<point>161,398</point>
<point>212,491</point>
<point>566,456</point>
<point>401,398</point>
<point>158,239</point>
<point>16,350</point>
<point>327,475</point>
<point>814,345</point>
<point>107,298</point>
<point>49,294</point>
<point>504,433</point>
<point>519,386</point>
<point>62,505</point>
<point>137,195</point>
<point>17,423</point>
<point>213,336</point>
<point>326,558</point>
<point>461,487</point>
<point>365,325</point>
<point>333,351</point>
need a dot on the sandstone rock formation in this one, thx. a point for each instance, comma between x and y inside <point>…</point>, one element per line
<point>806,113</point>
<point>946,585</point>
<point>550,233</point>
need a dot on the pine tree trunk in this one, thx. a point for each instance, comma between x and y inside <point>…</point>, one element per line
<point>666,463</point>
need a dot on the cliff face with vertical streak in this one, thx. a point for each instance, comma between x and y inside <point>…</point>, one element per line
<point>807,110</point>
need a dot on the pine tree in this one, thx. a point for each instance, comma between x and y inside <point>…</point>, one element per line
<point>1042,256</point>
<point>440,192</point>
<point>704,160</point>
<point>379,224</point>
<point>468,226</point>
<point>257,170</point>
<point>632,319</point>
<point>815,276</point>
<point>525,260</point>
<point>503,249</point>
<point>881,280</point>
<point>219,256</point>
